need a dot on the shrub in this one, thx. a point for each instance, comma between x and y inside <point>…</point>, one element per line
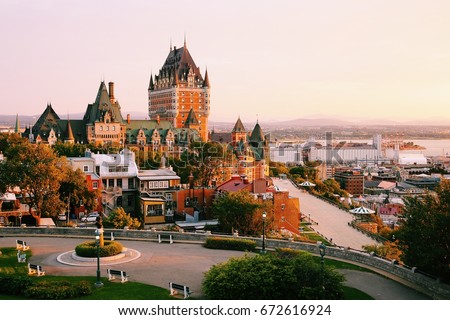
<point>89,249</point>
<point>119,219</point>
<point>271,277</point>
<point>53,290</point>
<point>14,284</point>
<point>230,244</point>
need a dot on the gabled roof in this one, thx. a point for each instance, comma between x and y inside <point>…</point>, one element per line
<point>191,118</point>
<point>177,66</point>
<point>47,120</point>
<point>238,127</point>
<point>97,110</point>
<point>77,127</point>
<point>257,134</point>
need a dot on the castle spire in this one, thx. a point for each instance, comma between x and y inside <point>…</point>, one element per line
<point>185,40</point>
<point>151,86</point>
<point>69,137</point>
<point>17,127</point>
<point>206,81</point>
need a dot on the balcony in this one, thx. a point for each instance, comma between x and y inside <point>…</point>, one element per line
<point>116,191</point>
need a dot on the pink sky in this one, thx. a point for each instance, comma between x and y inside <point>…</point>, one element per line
<point>275,59</point>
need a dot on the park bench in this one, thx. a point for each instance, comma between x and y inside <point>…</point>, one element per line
<point>113,273</point>
<point>22,245</point>
<point>35,269</point>
<point>21,257</point>
<point>178,288</point>
<point>162,237</point>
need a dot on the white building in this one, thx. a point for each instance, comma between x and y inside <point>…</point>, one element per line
<point>287,153</point>
<point>118,173</point>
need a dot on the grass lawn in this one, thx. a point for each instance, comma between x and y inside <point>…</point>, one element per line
<point>355,294</point>
<point>110,290</point>
<point>131,290</point>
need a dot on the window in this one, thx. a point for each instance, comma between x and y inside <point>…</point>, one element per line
<point>119,183</point>
<point>130,183</point>
<point>111,183</point>
<point>85,168</point>
<point>130,200</point>
<point>154,210</point>
<point>94,184</point>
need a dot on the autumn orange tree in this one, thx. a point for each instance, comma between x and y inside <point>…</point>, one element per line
<point>42,178</point>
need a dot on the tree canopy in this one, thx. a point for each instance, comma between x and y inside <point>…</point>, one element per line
<point>119,219</point>
<point>273,277</point>
<point>240,211</point>
<point>43,179</point>
<point>424,237</point>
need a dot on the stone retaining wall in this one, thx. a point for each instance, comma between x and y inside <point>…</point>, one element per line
<point>429,285</point>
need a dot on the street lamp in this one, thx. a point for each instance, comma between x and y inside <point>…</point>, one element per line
<point>264,215</point>
<point>322,248</point>
<point>98,284</point>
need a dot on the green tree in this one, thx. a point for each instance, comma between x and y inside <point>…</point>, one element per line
<point>119,219</point>
<point>37,172</point>
<point>74,190</point>
<point>240,211</point>
<point>204,160</point>
<point>277,168</point>
<point>272,277</point>
<point>424,237</point>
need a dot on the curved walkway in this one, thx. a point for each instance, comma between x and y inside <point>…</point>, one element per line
<point>332,221</point>
<point>183,263</point>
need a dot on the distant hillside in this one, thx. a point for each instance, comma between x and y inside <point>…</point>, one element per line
<point>317,122</point>
<point>10,120</point>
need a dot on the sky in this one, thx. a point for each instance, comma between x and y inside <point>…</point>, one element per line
<point>266,60</point>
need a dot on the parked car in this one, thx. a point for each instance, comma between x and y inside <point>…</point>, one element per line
<point>62,217</point>
<point>91,217</point>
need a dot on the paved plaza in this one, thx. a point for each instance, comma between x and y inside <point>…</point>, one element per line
<point>184,263</point>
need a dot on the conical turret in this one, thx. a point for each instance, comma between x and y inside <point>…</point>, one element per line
<point>206,81</point>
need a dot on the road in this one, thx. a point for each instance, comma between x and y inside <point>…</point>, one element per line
<point>332,221</point>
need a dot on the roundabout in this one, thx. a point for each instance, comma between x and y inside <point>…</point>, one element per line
<point>72,259</point>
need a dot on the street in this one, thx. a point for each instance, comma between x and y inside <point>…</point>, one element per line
<point>332,221</point>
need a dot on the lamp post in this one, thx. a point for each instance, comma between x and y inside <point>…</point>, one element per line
<point>322,248</point>
<point>191,187</point>
<point>264,233</point>
<point>322,254</point>
<point>97,243</point>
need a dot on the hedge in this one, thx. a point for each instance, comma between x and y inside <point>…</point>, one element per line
<point>89,249</point>
<point>32,288</point>
<point>230,244</point>
<point>55,290</point>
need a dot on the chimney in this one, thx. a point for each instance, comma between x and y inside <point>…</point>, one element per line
<point>111,91</point>
<point>128,118</point>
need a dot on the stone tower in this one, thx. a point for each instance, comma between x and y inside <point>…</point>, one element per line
<point>179,90</point>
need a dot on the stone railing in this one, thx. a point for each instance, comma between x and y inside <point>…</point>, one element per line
<point>426,284</point>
